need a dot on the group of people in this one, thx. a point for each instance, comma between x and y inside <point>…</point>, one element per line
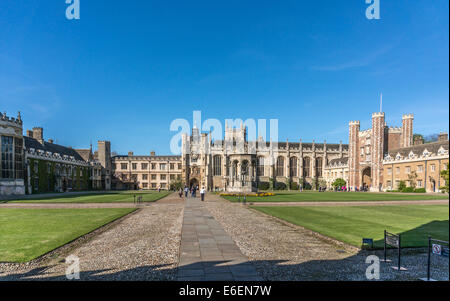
<point>192,192</point>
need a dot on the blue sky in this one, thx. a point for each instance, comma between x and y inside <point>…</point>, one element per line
<point>126,69</point>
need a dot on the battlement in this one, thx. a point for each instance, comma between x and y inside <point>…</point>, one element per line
<point>378,114</point>
<point>11,120</point>
<point>354,123</point>
<point>408,116</point>
<point>395,129</point>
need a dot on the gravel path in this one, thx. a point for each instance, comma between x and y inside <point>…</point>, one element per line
<point>143,246</point>
<point>368,203</point>
<point>282,251</point>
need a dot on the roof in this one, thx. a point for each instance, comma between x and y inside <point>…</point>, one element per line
<point>419,149</point>
<point>51,147</point>
<point>338,161</point>
<point>86,154</point>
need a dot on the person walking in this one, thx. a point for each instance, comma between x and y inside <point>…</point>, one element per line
<point>180,193</point>
<point>202,194</point>
<point>186,191</point>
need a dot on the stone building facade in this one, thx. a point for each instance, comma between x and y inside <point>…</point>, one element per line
<point>145,172</point>
<point>236,164</point>
<point>419,165</point>
<point>368,148</point>
<point>11,156</point>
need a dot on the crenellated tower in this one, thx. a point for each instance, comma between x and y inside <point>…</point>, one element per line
<point>407,130</point>
<point>353,154</point>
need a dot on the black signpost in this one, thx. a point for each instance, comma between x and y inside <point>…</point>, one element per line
<point>393,240</point>
<point>435,246</point>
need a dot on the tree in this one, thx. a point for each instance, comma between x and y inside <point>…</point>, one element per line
<point>412,179</point>
<point>176,184</point>
<point>401,185</point>
<point>339,182</point>
<point>445,176</point>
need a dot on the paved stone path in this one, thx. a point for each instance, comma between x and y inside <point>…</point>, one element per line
<point>207,252</point>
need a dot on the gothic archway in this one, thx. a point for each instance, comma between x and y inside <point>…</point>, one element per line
<point>366,177</point>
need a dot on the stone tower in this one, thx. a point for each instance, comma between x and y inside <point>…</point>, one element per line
<point>407,130</point>
<point>353,154</point>
<point>377,149</point>
<point>104,157</point>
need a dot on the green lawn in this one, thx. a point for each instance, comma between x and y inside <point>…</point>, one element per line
<point>350,224</point>
<point>26,234</point>
<point>312,196</point>
<point>110,197</point>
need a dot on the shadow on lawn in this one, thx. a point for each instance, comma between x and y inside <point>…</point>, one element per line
<point>418,237</point>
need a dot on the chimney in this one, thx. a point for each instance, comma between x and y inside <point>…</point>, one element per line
<point>50,141</point>
<point>38,134</point>
<point>152,153</point>
<point>418,140</point>
<point>130,154</point>
<point>443,137</point>
<point>30,133</point>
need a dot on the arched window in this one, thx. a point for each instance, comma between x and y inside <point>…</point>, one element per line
<point>260,168</point>
<point>280,167</point>
<point>319,162</point>
<point>293,167</point>
<point>234,171</point>
<point>217,165</point>
<point>306,167</point>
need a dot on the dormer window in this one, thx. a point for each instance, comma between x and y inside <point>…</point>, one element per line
<point>426,153</point>
<point>441,151</point>
<point>398,156</point>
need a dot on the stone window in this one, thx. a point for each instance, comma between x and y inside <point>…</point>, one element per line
<point>397,170</point>
<point>389,171</point>
<point>319,162</point>
<point>153,177</point>
<point>144,185</point>
<point>306,167</point>
<point>280,167</point>
<point>172,166</point>
<point>153,166</point>
<point>144,177</point>
<point>260,167</point>
<point>179,166</point>
<point>293,167</point>
<point>163,185</point>
<point>134,166</point>
<point>153,185</point>
<point>162,166</point>
<point>7,158</point>
<point>144,166</point>
<point>408,169</point>
<point>18,157</point>
<point>433,167</point>
<point>162,177</point>
<point>420,168</point>
<point>124,166</point>
<point>172,177</point>
<point>419,183</point>
<point>217,165</point>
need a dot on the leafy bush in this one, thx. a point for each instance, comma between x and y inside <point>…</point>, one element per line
<point>408,189</point>
<point>401,185</point>
<point>307,186</point>
<point>294,186</point>
<point>280,186</point>
<point>420,190</point>
<point>339,182</point>
<point>263,185</point>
